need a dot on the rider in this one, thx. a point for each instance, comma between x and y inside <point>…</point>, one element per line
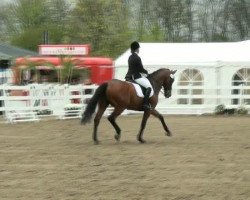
<point>137,73</point>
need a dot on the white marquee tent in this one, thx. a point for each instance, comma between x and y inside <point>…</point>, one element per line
<point>208,74</point>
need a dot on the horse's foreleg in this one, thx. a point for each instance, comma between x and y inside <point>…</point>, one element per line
<point>143,125</point>
<point>112,117</point>
<point>97,119</point>
<point>160,117</point>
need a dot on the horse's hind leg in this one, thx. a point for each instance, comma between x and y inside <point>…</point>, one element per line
<point>117,111</point>
<point>160,117</point>
<point>102,107</point>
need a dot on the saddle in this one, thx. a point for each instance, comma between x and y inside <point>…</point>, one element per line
<point>140,90</point>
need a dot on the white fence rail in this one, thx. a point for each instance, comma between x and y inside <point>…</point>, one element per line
<point>31,102</point>
<point>62,101</point>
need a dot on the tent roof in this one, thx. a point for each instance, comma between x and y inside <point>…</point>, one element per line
<point>12,52</point>
<point>4,56</point>
<point>209,54</point>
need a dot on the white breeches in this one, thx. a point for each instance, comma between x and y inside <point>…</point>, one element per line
<point>144,82</point>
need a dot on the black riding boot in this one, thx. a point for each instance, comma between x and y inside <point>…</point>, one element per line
<point>146,105</point>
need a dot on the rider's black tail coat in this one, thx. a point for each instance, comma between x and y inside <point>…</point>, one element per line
<point>135,67</point>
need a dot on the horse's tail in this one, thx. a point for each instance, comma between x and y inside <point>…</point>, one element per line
<point>90,109</point>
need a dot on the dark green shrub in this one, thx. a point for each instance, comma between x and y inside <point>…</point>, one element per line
<point>242,110</point>
<point>219,110</point>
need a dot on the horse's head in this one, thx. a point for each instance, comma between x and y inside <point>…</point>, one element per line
<point>162,78</point>
<point>167,83</point>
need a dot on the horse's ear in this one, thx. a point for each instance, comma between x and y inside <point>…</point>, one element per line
<point>173,71</point>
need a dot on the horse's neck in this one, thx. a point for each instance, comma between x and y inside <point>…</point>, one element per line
<point>156,83</point>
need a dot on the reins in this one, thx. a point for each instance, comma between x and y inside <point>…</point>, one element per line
<point>161,91</point>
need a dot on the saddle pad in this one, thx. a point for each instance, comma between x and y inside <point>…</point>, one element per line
<point>139,91</point>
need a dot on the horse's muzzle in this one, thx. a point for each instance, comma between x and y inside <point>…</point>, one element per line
<point>167,93</point>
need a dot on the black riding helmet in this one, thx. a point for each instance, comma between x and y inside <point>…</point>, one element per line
<point>134,45</point>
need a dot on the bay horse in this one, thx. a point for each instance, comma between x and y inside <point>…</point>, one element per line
<point>122,95</point>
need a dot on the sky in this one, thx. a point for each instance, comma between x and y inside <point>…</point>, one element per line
<point>8,1</point>
<point>5,1</point>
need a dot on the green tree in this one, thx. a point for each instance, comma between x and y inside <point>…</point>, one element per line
<point>227,20</point>
<point>110,25</point>
<point>58,22</point>
<point>240,18</point>
<point>3,36</point>
<point>101,23</point>
<point>148,27</point>
<point>26,21</point>
<point>163,20</point>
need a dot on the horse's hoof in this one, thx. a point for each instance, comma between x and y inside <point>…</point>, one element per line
<point>117,137</point>
<point>169,134</point>
<point>96,142</point>
<point>141,140</point>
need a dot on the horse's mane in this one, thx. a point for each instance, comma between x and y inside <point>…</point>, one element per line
<point>156,72</point>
